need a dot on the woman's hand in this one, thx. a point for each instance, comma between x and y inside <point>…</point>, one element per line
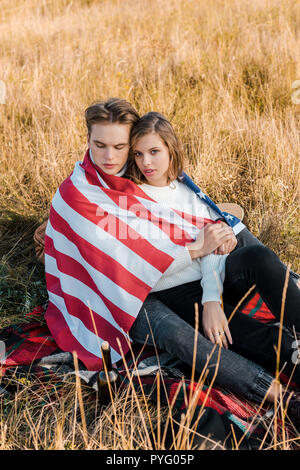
<point>228,246</point>
<point>215,325</point>
<point>211,237</point>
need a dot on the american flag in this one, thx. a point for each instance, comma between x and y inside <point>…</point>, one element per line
<point>235,223</point>
<point>106,245</point>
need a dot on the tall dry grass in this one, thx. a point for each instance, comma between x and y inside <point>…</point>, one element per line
<point>220,70</point>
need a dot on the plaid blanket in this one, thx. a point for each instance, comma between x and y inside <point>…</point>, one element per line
<point>32,352</point>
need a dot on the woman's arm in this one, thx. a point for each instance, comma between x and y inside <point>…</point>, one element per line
<point>214,321</point>
<point>212,277</point>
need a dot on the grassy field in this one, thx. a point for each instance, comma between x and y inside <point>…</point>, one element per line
<point>220,70</point>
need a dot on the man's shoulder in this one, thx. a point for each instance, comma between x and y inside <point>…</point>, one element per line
<point>65,184</point>
<point>64,189</point>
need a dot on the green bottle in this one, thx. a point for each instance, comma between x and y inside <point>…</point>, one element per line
<point>108,377</point>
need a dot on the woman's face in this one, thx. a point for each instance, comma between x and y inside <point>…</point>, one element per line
<point>152,159</point>
<point>109,143</point>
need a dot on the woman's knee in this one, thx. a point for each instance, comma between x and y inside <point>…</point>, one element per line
<point>256,255</point>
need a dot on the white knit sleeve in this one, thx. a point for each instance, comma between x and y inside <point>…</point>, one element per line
<point>213,275</point>
<point>182,261</point>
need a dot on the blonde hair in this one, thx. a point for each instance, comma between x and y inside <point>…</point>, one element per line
<point>157,123</point>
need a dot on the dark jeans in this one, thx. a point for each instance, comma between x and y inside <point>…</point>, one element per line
<point>246,266</point>
<point>246,238</point>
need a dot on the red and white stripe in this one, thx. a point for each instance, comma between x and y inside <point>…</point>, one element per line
<point>107,244</point>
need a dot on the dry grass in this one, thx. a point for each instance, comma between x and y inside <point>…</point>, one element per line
<point>40,417</point>
<point>221,71</point>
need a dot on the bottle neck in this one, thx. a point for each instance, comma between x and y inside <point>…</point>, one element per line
<point>106,359</point>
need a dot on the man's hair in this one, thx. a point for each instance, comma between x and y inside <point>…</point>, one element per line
<point>113,110</point>
<point>153,122</point>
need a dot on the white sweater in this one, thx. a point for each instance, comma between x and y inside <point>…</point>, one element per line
<point>211,268</point>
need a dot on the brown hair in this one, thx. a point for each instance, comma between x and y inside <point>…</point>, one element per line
<point>113,110</point>
<point>157,123</point>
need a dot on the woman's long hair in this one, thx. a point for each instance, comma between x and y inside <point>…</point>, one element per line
<point>153,122</point>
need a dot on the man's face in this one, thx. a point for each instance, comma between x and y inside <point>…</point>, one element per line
<point>109,143</point>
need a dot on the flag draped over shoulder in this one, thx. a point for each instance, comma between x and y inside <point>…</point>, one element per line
<point>235,223</point>
<point>106,245</point>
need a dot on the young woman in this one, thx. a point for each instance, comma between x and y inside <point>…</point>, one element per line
<point>155,163</point>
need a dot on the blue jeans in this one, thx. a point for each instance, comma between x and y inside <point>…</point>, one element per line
<point>157,324</point>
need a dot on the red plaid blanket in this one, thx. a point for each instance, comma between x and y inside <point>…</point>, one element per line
<point>225,413</point>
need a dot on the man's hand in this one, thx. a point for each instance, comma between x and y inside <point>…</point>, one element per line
<point>215,325</point>
<point>228,246</point>
<point>211,237</point>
